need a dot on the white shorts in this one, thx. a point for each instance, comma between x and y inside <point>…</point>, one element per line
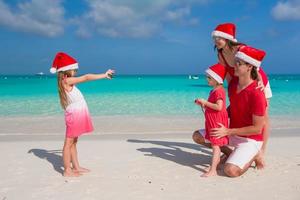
<point>244,150</point>
<point>268,91</point>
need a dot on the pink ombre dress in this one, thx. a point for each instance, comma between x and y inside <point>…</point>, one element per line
<point>77,116</point>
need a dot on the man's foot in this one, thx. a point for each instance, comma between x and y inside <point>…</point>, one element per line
<point>81,170</point>
<point>209,173</point>
<point>71,173</point>
<point>259,161</point>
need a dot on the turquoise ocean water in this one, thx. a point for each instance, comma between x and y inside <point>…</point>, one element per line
<point>132,95</point>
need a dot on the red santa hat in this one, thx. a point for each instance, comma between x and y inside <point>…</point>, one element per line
<point>226,31</point>
<point>251,55</point>
<point>217,72</point>
<point>63,62</point>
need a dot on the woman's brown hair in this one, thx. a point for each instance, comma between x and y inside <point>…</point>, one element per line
<point>64,101</point>
<point>230,44</point>
<point>254,73</point>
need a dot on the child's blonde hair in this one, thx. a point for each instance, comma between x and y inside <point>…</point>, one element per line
<point>64,101</point>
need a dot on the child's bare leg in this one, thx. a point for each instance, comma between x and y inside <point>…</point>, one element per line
<point>74,158</point>
<point>67,158</point>
<point>214,163</point>
<point>197,137</point>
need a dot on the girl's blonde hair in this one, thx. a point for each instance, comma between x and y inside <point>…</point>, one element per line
<point>64,101</point>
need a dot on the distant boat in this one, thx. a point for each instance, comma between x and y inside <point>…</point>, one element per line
<point>40,74</point>
<point>193,77</point>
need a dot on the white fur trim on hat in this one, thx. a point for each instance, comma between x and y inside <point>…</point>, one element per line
<point>214,75</point>
<point>223,35</point>
<point>66,68</point>
<point>247,59</point>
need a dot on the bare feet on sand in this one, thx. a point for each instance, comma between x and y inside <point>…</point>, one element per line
<point>81,170</point>
<point>209,173</point>
<point>71,173</point>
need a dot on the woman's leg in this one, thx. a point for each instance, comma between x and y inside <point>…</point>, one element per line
<point>260,158</point>
<point>67,157</point>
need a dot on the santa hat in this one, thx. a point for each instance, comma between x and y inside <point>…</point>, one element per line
<point>251,55</point>
<point>226,31</point>
<point>63,62</point>
<point>217,72</point>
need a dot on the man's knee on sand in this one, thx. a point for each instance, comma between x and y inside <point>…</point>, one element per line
<point>232,170</point>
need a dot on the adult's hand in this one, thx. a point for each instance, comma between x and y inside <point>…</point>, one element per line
<point>222,131</point>
<point>260,85</point>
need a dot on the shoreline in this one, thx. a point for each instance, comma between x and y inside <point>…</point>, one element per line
<point>120,124</point>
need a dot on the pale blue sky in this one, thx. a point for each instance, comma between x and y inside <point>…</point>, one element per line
<point>143,36</point>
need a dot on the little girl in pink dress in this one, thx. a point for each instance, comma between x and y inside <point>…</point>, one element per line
<point>77,116</point>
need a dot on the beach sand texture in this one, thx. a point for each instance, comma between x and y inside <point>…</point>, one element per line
<point>141,165</point>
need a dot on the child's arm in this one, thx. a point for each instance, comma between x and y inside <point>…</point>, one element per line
<point>89,77</point>
<point>215,106</point>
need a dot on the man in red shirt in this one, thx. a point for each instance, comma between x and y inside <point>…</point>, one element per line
<point>247,113</point>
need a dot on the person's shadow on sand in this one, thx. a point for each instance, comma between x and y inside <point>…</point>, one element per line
<point>174,153</point>
<point>52,156</point>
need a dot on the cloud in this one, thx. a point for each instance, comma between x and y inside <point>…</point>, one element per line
<point>288,10</point>
<point>41,17</point>
<point>111,18</point>
<point>131,18</point>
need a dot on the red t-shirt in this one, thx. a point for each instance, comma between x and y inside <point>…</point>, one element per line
<point>244,105</point>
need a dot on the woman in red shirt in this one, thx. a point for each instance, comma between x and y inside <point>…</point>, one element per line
<point>227,46</point>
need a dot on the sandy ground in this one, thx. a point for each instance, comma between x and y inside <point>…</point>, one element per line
<point>141,166</point>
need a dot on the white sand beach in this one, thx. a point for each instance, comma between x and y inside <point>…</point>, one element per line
<point>140,165</point>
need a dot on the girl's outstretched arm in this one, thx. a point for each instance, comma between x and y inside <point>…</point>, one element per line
<point>89,77</point>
